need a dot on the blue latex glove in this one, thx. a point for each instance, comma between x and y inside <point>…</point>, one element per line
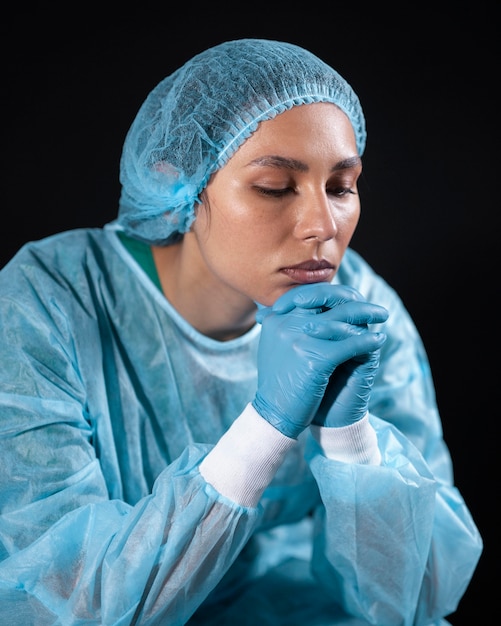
<point>318,297</point>
<point>304,337</point>
<point>346,399</point>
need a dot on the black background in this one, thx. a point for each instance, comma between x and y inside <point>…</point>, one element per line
<point>73,83</point>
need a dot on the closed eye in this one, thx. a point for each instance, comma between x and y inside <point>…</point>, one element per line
<point>274,193</point>
<point>339,192</point>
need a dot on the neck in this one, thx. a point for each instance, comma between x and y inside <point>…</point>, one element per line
<point>213,310</point>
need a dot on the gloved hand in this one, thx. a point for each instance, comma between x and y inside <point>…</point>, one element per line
<point>318,297</point>
<point>304,337</point>
<point>346,399</point>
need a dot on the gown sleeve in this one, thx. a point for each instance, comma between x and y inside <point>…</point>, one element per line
<point>395,542</point>
<point>70,553</point>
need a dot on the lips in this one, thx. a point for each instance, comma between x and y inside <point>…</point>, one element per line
<point>311,266</point>
<point>310,271</point>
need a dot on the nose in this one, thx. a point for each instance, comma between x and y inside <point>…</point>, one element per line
<point>315,218</point>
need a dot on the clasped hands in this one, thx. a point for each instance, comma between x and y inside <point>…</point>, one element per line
<point>317,357</point>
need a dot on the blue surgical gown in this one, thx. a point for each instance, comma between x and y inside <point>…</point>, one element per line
<point>109,402</point>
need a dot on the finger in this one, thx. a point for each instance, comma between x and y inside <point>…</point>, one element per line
<point>357,313</point>
<point>338,352</point>
<point>317,295</point>
<point>333,330</point>
<point>354,312</point>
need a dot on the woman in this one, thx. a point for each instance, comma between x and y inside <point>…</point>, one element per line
<point>168,459</point>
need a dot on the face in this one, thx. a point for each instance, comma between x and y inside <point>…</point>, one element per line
<point>283,210</point>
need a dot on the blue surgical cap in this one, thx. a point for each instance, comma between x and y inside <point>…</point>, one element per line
<point>195,119</point>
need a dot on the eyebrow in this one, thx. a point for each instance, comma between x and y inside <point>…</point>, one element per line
<point>294,164</point>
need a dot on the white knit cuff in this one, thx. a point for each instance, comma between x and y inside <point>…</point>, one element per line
<point>243,462</point>
<point>356,443</point>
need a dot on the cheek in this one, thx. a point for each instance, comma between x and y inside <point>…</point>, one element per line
<point>347,222</point>
<point>227,234</point>
<point>235,219</point>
